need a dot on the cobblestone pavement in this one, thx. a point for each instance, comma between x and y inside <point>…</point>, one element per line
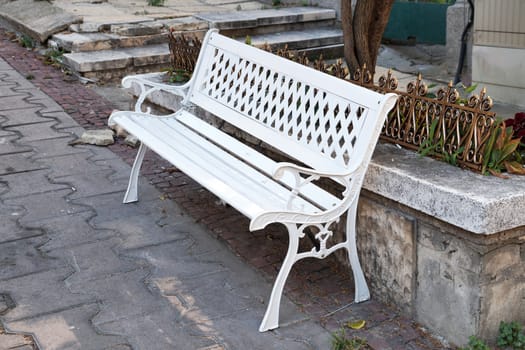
<point>174,271</point>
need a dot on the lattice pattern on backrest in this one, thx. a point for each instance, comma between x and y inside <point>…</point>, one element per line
<point>310,115</point>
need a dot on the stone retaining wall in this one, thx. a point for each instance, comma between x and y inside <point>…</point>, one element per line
<point>445,245</point>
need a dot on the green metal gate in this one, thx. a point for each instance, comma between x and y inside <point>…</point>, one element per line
<point>418,22</point>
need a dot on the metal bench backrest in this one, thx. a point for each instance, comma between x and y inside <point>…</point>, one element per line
<point>320,120</point>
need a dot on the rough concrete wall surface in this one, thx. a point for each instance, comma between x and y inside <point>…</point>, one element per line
<point>387,249</point>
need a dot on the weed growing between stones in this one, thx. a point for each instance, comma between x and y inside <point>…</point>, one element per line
<point>341,342</point>
<point>511,337</point>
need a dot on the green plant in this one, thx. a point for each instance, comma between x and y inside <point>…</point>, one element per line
<point>341,342</point>
<point>155,2</point>
<point>30,77</point>
<point>467,90</point>
<point>432,147</point>
<point>26,41</point>
<point>248,40</point>
<point>500,151</point>
<point>511,335</point>
<point>178,76</point>
<point>429,146</point>
<point>474,343</point>
<point>276,2</point>
<point>54,57</point>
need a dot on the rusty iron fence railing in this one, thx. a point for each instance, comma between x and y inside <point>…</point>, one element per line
<point>184,51</point>
<point>455,128</point>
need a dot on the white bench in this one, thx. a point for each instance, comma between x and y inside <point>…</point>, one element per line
<point>329,126</point>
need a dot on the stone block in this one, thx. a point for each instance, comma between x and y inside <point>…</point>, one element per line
<point>387,250</point>
<point>186,24</point>
<point>97,60</point>
<point>497,261</point>
<point>448,295</point>
<point>502,301</point>
<point>138,29</point>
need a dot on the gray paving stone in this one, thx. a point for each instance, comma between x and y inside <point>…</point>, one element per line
<point>23,116</point>
<point>124,296</point>
<point>4,66</point>
<point>15,102</point>
<point>72,164</point>
<point>109,207</point>
<point>47,105</point>
<point>92,183</point>
<point>142,230</point>
<point>10,229</point>
<point>104,156</point>
<point>22,257</point>
<point>70,231</point>
<point>310,336</point>
<point>48,148</point>
<point>42,293</point>
<point>159,331</point>
<point>46,205</point>
<point>40,131</point>
<point>11,76</point>
<point>69,329</point>
<point>26,183</point>
<point>7,89</point>
<point>9,144</point>
<point>17,163</point>
<point>94,261</point>
<point>63,119</point>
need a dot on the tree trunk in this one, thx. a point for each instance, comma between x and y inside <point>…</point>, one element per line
<point>363,30</point>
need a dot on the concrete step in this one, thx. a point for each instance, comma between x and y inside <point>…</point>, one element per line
<point>258,22</point>
<point>259,18</point>
<point>234,24</point>
<point>301,40</point>
<point>110,65</point>
<point>142,47</point>
<point>128,35</point>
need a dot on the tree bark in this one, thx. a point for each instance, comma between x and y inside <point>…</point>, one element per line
<point>379,23</point>
<point>348,35</point>
<point>363,30</point>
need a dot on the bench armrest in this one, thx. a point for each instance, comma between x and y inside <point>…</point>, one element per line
<point>289,216</point>
<point>147,87</point>
<point>297,170</point>
<point>262,220</point>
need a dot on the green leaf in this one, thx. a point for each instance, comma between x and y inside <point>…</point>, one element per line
<point>471,88</point>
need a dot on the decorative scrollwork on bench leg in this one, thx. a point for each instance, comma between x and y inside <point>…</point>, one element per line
<point>132,192</point>
<point>322,235</point>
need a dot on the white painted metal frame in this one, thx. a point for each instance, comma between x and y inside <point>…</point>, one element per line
<point>324,122</point>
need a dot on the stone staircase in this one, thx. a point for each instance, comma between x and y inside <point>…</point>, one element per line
<point>115,50</point>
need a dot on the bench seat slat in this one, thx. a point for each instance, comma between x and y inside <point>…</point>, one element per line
<point>246,189</point>
<point>314,194</point>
